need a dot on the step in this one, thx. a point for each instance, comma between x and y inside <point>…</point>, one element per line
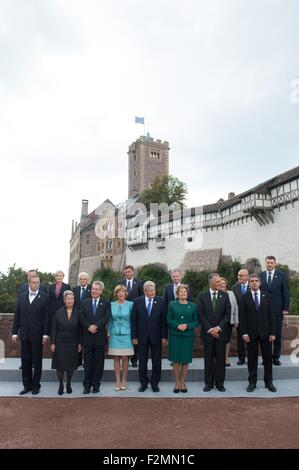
<point>9,371</point>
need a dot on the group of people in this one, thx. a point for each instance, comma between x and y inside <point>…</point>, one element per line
<point>139,322</point>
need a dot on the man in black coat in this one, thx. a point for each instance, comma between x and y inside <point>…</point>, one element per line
<point>169,293</point>
<point>25,287</point>
<point>275,283</point>
<point>240,289</point>
<point>134,287</point>
<point>214,312</point>
<point>32,325</point>
<point>257,323</point>
<point>94,316</point>
<point>82,291</point>
<point>148,332</point>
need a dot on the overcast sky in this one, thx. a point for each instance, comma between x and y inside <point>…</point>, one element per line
<point>213,77</point>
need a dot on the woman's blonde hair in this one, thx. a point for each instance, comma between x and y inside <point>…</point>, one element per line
<point>118,288</point>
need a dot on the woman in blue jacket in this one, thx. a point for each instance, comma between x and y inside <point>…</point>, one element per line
<point>119,334</point>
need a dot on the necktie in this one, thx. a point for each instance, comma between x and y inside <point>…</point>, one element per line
<point>82,293</point>
<point>214,301</point>
<point>149,307</point>
<point>32,296</point>
<point>57,290</point>
<point>129,287</point>
<point>256,301</point>
<point>243,287</point>
<point>94,307</point>
<point>269,278</point>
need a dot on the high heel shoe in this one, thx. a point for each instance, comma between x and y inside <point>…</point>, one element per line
<point>69,388</point>
<point>60,389</point>
<point>184,390</point>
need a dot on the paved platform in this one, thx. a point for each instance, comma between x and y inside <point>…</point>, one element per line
<point>285,378</point>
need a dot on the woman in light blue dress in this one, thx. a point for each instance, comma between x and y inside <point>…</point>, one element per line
<point>119,335</point>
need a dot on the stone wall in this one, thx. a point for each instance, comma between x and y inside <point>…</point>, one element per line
<point>290,332</point>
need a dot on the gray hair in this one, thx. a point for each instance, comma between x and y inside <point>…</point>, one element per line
<point>175,271</point>
<point>254,276</point>
<point>211,277</point>
<point>148,285</point>
<point>83,274</point>
<point>67,292</point>
<point>99,283</point>
<point>59,272</point>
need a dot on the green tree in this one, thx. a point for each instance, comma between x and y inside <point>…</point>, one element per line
<point>10,284</point>
<point>110,278</point>
<point>157,273</point>
<point>230,272</point>
<point>166,189</point>
<point>197,282</point>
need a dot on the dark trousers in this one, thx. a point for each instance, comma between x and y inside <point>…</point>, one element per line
<point>31,355</point>
<point>214,361</point>
<point>277,342</point>
<point>266,350</point>
<point>94,358</point>
<point>241,345</point>
<point>135,356</point>
<point>143,353</point>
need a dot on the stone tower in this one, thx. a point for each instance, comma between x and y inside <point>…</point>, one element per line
<point>148,159</point>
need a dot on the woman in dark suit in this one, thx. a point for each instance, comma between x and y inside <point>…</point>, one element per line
<point>56,291</point>
<point>65,341</point>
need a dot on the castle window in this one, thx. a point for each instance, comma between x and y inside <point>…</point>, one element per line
<point>98,247</point>
<point>134,157</point>
<point>87,240</point>
<point>155,154</point>
<point>134,172</point>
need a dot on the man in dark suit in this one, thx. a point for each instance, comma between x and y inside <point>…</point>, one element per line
<point>134,287</point>
<point>257,323</point>
<point>82,291</point>
<point>275,283</point>
<point>214,311</point>
<point>32,325</point>
<point>169,293</point>
<point>25,287</point>
<point>148,332</point>
<point>94,316</point>
<point>239,289</point>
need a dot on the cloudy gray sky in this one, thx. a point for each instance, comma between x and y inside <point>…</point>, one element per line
<point>213,77</point>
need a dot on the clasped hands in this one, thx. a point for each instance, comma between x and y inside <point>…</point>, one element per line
<point>92,329</point>
<point>182,327</point>
<point>215,331</point>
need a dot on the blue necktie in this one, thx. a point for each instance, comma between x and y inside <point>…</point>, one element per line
<point>256,301</point>
<point>94,307</point>
<point>243,287</point>
<point>129,287</point>
<point>269,278</point>
<point>149,307</point>
<point>82,293</point>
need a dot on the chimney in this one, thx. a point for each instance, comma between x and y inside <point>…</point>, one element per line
<point>84,211</point>
<point>230,195</point>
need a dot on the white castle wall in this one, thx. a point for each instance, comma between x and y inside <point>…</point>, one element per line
<point>241,241</point>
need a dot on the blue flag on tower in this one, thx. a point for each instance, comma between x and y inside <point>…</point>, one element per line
<point>139,120</point>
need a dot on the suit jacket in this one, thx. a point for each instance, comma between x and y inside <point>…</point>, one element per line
<point>210,319</point>
<point>101,319</point>
<point>77,293</point>
<point>259,324</point>
<point>144,327</point>
<point>137,288</point>
<point>168,295</point>
<point>32,320</point>
<point>238,292</point>
<point>25,287</point>
<point>278,291</point>
<point>57,303</point>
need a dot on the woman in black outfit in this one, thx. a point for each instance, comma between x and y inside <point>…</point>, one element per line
<point>65,341</point>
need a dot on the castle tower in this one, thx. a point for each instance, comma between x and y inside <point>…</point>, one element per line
<point>148,159</point>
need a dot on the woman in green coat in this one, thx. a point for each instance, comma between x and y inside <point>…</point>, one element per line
<point>182,319</point>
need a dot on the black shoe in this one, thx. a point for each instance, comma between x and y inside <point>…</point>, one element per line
<point>207,388</point>
<point>271,388</point>
<point>276,362</point>
<point>142,388</point>
<point>95,389</point>
<point>241,362</point>
<point>134,364</point>
<point>20,367</point>
<point>35,391</point>
<point>250,388</point>
<point>184,390</point>
<point>221,388</point>
<point>227,364</point>
<point>86,391</point>
<point>69,388</point>
<point>25,390</point>
<point>155,388</point>
<point>176,390</point>
<point>60,389</point>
